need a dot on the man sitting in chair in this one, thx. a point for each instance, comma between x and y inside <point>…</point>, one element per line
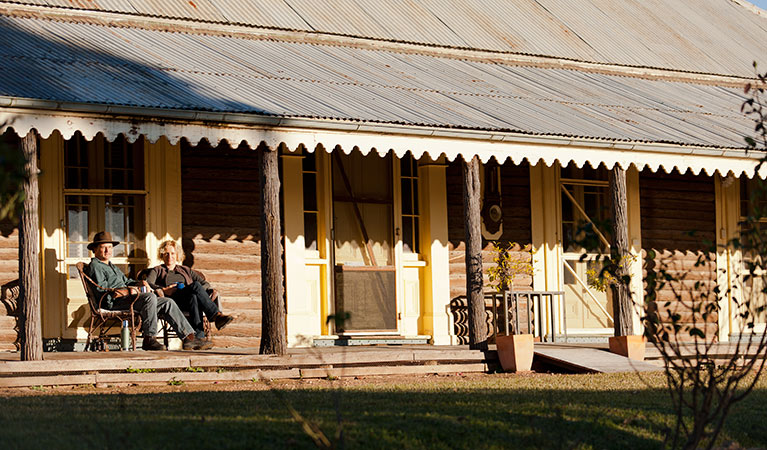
<point>188,288</point>
<point>107,276</point>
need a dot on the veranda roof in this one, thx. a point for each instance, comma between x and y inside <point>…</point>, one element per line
<point>113,73</point>
<point>706,36</point>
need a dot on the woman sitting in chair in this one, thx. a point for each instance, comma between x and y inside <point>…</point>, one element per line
<point>187,288</point>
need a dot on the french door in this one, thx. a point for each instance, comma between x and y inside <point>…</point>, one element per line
<point>584,203</point>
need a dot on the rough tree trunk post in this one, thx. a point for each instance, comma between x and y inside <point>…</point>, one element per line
<point>273,333</point>
<point>622,305</point>
<point>473,233</point>
<point>29,258</point>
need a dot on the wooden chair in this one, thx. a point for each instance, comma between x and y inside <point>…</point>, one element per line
<point>167,332</point>
<point>105,319</point>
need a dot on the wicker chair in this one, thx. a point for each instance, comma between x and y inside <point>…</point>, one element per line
<point>105,319</point>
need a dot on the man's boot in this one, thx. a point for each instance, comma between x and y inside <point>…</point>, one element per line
<point>151,343</point>
<point>192,342</point>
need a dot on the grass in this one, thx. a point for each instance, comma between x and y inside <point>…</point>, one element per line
<point>490,411</point>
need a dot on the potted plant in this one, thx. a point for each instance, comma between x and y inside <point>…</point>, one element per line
<point>631,346</point>
<point>515,351</point>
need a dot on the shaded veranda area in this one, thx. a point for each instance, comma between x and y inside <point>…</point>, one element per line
<point>459,411</point>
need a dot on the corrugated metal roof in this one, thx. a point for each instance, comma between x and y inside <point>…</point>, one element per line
<point>709,36</point>
<point>76,62</point>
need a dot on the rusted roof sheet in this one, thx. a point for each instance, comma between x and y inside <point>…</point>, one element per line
<point>84,63</point>
<point>707,36</point>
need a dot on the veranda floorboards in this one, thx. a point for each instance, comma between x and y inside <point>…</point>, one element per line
<point>103,368</point>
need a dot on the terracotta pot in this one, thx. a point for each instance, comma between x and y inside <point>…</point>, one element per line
<point>631,347</point>
<point>515,352</point>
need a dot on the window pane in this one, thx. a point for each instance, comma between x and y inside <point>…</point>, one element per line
<point>77,226</point>
<point>405,165</point>
<point>114,216</point>
<point>310,230</point>
<point>407,197</point>
<point>309,162</point>
<point>118,164</point>
<point>77,250</point>
<point>76,163</point>
<point>592,201</point>
<point>416,236</point>
<point>407,234</point>
<point>310,192</point>
<point>120,219</point>
<point>72,272</point>
<point>415,196</point>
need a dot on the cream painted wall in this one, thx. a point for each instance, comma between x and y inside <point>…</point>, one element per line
<point>635,243</point>
<point>545,223</point>
<point>163,200</point>
<point>728,260</point>
<point>302,281</point>
<point>435,286</point>
<point>53,238</point>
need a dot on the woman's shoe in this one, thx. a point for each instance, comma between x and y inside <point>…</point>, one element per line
<point>222,320</point>
<point>207,344</point>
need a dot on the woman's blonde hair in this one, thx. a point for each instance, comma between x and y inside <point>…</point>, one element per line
<point>171,243</point>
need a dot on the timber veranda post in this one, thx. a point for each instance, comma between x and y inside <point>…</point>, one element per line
<point>622,304</point>
<point>473,237</point>
<point>273,332</point>
<point>31,338</point>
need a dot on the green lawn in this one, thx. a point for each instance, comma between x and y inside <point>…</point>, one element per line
<point>491,411</point>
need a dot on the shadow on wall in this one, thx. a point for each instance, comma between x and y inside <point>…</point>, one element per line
<point>220,190</point>
<point>9,295</point>
<point>678,220</point>
<point>7,228</point>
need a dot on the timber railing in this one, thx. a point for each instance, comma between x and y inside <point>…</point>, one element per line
<point>514,312</point>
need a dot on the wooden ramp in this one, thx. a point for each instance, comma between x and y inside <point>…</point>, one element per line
<point>589,359</point>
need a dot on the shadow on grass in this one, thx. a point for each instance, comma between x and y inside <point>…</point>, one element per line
<point>446,417</point>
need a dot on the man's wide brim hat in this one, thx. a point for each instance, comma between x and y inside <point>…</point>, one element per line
<point>102,237</point>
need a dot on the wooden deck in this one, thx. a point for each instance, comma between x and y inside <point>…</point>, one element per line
<point>245,364</point>
<point>104,368</point>
<point>109,368</point>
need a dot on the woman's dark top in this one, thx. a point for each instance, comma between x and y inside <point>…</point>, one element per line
<point>161,277</point>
